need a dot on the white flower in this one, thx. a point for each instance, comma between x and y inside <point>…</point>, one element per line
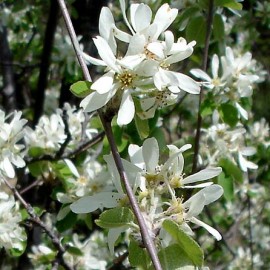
<point>11,234</point>
<point>171,172</point>
<point>209,82</point>
<point>10,134</point>
<point>144,70</point>
<point>189,210</point>
<point>49,133</point>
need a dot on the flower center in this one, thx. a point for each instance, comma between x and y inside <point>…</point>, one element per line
<point>126,79</point>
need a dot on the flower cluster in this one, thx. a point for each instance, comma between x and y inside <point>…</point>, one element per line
<point>11,134</point>
<point>239,74</point>
<point>141,80</point>
<point>11,234</point>
<point>158,190</point>
<point>51,131</point>
<point>221,141</point>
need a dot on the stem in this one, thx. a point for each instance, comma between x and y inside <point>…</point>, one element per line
<point>148,241</point>
<point>204,67</point>
<point>35,219</point>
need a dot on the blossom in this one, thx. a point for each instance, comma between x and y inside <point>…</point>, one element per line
<point>11,234</point>
<point>11,153</point>
<point>143,72</point>
<point>171,172</point>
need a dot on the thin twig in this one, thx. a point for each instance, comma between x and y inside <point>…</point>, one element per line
<point>35,219</point>
<point>148,241</point>
<point>204,67</point>
<point>81,147</point>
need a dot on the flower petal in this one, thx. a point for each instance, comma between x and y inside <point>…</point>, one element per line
<point>95,101</point>
<point>150,151</point>
<point>202,175</point>
<point>104,84</point>
<point>106,54</point>
<point>210,229</point>
<point>127,109</point>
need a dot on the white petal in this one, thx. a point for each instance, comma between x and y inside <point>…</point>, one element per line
<point>106,54</point>
<point>72,167</point>
<point>9,170</point>
<point>163,18</point>
<point>205,174</point>
<point>127,109</point>
<point>91,60</point>
<point>95,101</point>
<point>165,78</point>
<point>106,24</point>
<point>113,235</point>
<point>123,9</point>
<point>136,45</point>
<point>210,229</point>
<point>157,49</point>
<point>199,185</point>
<point>187,84</point>
<point>215,66</point>
<point>196,205</point>
<point>169,40</point>
<point>198,73</point>
<point>104,84</point>
<point>121,35</point>
<point>136,157</point>
<point>150,151</point>
<point>248,151</point>
<point>89,204</point>
<point>63,212</point>
<point>141,18</point>
<point>242,111</point>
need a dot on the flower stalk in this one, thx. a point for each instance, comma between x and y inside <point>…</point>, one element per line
<point>148,241</point>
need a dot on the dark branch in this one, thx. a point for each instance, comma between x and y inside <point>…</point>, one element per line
<point>45,61</point>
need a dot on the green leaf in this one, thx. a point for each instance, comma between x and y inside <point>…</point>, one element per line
<point>142,127</point>
<point>229,114</point>
<point>67,222</point>
<point>115,217</point>
<point>36,152</point>
<point>229,4</point>
<point>189,246</point>
<point>218,27</point>
<point>138,257</point>
<point>196,30</point>
<point>81,89</point>
<point>74,251</point>
<point>230,169</point>
<point>227,184</point>
<point>174,257</point>
<point>185,16</point>
<point>37,168</point>
<point>207,107</point>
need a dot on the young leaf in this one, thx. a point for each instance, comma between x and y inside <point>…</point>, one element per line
<point>81,89</point>
<point>229,114</point>
<point>196,30</point>
<point>229,4</point>
<point>174,257</point>
<point>218,27</point>
<point>231,169</point>
<point>189,246</point>
<point>227,184</point>
<point>138,257</point>
<point>142,127</point>
<point>115,217</point>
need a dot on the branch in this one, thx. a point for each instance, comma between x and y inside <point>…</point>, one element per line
<point>9,89</point>
<point>35,219</point>
<point>148,241</point>
<point>45,61</point>
<point>204,67</point>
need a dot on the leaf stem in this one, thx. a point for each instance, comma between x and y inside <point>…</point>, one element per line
<point>148,241</point>
<point>204,68</point>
